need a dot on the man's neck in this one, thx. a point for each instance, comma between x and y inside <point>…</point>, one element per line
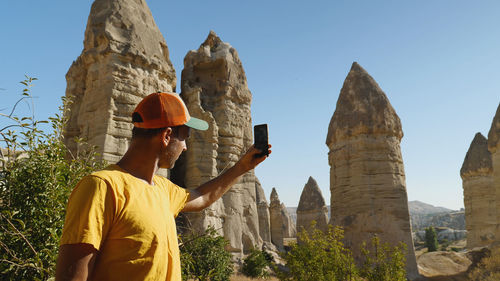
<point>140,162</point>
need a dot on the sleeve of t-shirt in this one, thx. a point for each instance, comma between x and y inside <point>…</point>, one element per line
<point>178,197</point>
<point>89,213</point>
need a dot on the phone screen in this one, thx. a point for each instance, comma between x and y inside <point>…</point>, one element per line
<point>261,138</point>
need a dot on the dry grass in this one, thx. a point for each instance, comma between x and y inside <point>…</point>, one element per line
<point>241,277</point>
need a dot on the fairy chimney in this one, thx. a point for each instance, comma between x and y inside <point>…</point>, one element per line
<point>263,211</point>
<point>477,181</point>
<point>494,148</point>
<point>312,207</point>
<point>214,86</point>
<point>124,58</point>
<point>367,179</point>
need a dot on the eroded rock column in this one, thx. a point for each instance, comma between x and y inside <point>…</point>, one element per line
<point>263,210</point>
<point>477,180</point>
<point>312,207</point>
<point>367,179</point>
<point>494,148</point>
<point>124,58</point>
<point>214,87</point>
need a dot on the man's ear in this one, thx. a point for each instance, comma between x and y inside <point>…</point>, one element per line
<point>166,135</point>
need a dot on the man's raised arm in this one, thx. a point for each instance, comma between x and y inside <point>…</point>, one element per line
<point>209,192</point>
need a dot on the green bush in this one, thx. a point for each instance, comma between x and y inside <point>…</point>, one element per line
<point>322,256</point>
<point>431,239</point>
<point>36,178</point>
<point>319,257</point>
<point>203,257</point>
<point>384,262</point>
<point>257,263</point>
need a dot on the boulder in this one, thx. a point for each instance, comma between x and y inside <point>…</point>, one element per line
<point>124,58</point>
<point>214,87</point>
<point>477,182</point>
<point>367,178</point>
<point>312,207</point>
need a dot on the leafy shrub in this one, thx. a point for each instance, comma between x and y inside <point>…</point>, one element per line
<point>319,257</point>
<point>488,269</point>
<point>203,257</point>
<point>322,257</point>
<point>384,263</point>
<point>445,244</point>
<point>431,239</point>
<point>36,178</point>
<point>256,264</point>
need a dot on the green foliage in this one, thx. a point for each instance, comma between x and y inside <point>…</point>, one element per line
<point>488,269</point>
<point>431,239</point>
<point>384,263</point>
<point>445,244</point>
<point>319,257</point>
<point>322,257</point>
<point>203,257</point>
<point>36,178</point>
<point>256,264</point>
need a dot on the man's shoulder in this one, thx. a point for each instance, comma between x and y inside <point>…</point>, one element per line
<point>109,175</point>
<point>163,181</point>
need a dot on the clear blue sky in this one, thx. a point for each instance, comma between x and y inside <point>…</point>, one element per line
<point>437,61</point>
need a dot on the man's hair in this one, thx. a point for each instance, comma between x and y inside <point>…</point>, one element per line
<point>149,133</point>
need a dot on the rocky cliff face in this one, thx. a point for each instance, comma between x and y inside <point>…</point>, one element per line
<point>480,209</point>
<point>494,148</point>
<point>367,179</point>
<point>312,207</point>
<point>214,86</point>
<point>124,58</point>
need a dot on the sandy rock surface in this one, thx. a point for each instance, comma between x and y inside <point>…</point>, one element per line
<point>367,178</point>
<point>124,58</point>
<point>312,207</point>
<point>214,87</point>
<point>478,185</point>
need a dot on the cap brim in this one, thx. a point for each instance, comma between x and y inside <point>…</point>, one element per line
<point>197,124</point>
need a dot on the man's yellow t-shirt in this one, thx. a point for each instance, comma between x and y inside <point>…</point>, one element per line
<point>129,222</point>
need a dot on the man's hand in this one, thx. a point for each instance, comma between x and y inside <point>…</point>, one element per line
<point>250,159</point>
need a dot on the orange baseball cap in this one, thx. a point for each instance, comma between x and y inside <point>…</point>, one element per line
<point>160,110</point>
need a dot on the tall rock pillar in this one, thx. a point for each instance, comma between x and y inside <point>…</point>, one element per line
<point>480,209</point>
<point>312,207</point>
<point>494,148</point>
<point>367,179</point>
<point>263,210</point>
<point>282,225</point>
<point>214,87</point>
<point>124,58</point>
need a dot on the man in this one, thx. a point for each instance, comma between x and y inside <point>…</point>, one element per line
<point>120,221</point>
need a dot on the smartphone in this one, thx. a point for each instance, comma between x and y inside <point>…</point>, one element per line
<point>261,139</point>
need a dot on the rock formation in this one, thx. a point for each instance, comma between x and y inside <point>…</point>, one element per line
<point>494,148</point>
<point>312,207</point>
<point>124,58</point>
<point>263,211</point>
<point>282,225</point>
<point>289,230</point>
<point>276,220</point>
<point>367,179</point>
<point>214,87</point>
<point>480,209</point>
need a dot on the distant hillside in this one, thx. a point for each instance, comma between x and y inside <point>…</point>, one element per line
<point>421,208</point>
<point>422,215</point>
